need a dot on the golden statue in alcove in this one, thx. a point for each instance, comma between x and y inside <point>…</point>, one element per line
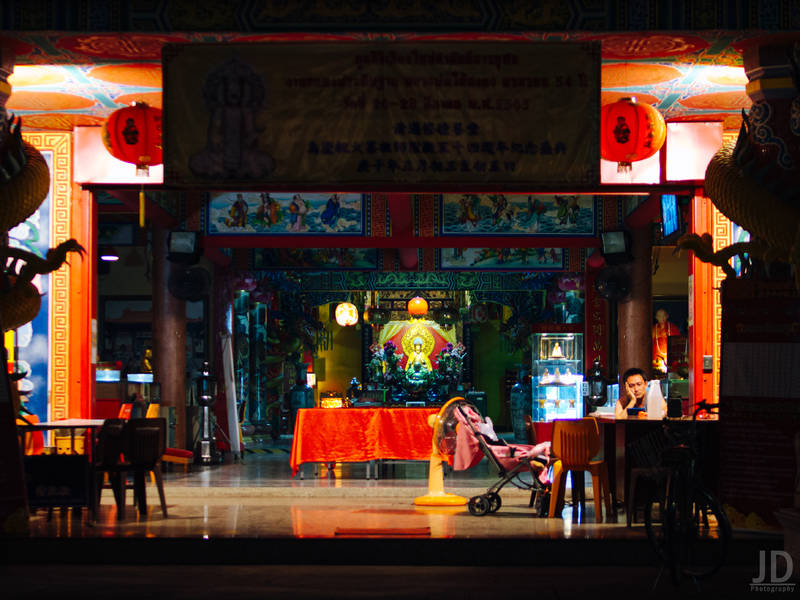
<point>418,344</point>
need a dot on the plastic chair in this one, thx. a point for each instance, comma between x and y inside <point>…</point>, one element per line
<point>530,439</point>
<point>575,442</point>
<point>143,445</point>
<point>656,476</point>
<point>125,410</point>
<point>34,440</point>
<point>172,455</point>
<point>107,461</point>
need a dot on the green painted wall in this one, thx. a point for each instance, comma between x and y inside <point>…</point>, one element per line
<point>337,366</point>
<point>489,367</point>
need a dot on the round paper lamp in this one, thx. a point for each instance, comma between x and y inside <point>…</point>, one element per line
<point>417,307</point>
<point>630,131</point>
<point>346,314</point>
<point>133,135</point>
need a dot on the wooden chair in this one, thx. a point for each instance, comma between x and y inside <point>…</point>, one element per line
<point>575,443</point>
<point>143,444</point>
<point>108,451</point>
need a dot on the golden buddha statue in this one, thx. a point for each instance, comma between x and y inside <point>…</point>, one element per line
<point>147,366</point>
<point>418,357</point>
<point>557,353</point>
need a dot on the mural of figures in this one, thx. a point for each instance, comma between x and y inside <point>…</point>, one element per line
<point>231,213</point>
<point>529,259</point>
<point>234,95</point>
<point>315,258</point>
<point>493,214</point>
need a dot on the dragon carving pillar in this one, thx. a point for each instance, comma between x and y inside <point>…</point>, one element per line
<point>7,59</point>
<point>169,337</point>
<point>775,114</point>
<point>635,314</point>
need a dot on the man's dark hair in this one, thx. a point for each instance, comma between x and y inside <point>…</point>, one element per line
<point>631,373</point>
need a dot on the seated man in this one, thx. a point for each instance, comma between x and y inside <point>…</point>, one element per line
<point>635,390</point>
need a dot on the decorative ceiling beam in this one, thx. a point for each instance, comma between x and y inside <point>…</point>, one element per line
<point>130,198</point>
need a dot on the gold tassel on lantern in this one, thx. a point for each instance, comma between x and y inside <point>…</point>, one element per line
<point>141,208</point>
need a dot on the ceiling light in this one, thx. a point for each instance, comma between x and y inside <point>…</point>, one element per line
<point>109,254</point>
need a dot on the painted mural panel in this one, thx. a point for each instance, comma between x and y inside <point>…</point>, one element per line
<point>33,339</point>
<point>523,214</point>
<point>316,258</point>
<point>503,259</point>
<point>236,213</point>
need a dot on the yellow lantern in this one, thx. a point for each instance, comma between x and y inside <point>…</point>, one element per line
<point>346,314</point>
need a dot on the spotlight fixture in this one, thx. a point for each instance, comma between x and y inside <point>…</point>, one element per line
<point>108,254</point>
<point>184,247</point>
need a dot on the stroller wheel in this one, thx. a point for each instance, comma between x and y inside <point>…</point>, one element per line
<point>478,506</point>
<point>494,501</point>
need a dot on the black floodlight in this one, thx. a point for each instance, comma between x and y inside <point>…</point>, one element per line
<point>184,247</point>
<point>616,247</point>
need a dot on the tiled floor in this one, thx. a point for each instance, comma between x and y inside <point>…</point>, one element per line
<point>258,497</point>
<point>249,530</point>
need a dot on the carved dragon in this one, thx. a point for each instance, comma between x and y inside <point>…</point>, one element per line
<point>24,184</point>
<point>757,192</point>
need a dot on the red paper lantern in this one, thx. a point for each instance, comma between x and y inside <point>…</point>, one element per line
<point>417,307</point>
<point>630,131</point>
<point>133,135</point>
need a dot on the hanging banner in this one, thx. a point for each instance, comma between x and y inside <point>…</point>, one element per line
<point>361,116</point>
<point>759,409</point>
<point>596,342</point>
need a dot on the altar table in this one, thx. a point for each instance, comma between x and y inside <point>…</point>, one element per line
<point>326,435</point>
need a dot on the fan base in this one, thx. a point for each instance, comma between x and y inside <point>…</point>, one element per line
<point>439,499</point>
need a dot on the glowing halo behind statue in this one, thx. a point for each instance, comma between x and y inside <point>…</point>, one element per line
<point>418,333</point>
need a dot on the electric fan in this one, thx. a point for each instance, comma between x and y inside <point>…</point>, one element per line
<point>444,444</point>
<point>189,283</point>
<point>613,284</point>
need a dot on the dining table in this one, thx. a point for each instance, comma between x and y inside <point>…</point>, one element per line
<point>63,480</point>
<point>622,438</point>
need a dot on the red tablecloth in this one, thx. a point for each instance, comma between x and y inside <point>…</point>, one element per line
<point>544,431</point>
<point>361,434</point>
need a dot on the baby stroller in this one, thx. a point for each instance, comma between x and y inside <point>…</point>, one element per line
<point>476,438</point>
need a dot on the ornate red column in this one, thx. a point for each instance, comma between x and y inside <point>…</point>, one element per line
<point>169,336</point>
<point>634,316</point>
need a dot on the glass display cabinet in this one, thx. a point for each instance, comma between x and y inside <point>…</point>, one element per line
<point>557,367</point>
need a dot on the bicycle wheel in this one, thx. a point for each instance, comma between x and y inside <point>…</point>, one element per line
<point>707,550</point>
<point>678,525</point>
<point>654,523</point>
